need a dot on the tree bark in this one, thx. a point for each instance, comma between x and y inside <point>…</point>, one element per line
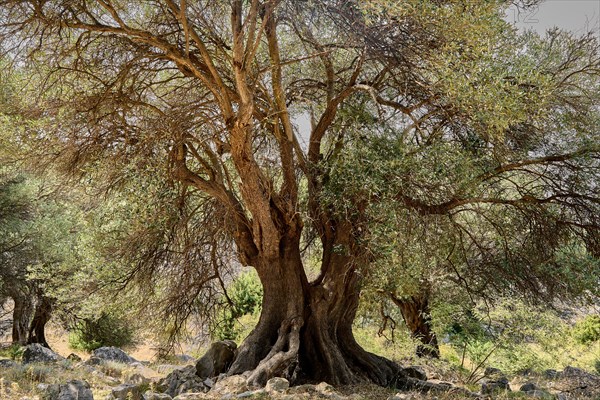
<point>329,350</point>
<point>21,318</point>
<point>305,329</point>
<point>41,316</point>
<point>417,316</point>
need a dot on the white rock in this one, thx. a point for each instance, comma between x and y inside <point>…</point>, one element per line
<point>277,385</point>
<point>234,384</point>
<point>149,395</point>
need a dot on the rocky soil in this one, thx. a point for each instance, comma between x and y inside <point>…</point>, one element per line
<point>111,374</point>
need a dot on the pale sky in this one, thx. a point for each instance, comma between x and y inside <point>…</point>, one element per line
<point>575,15</point>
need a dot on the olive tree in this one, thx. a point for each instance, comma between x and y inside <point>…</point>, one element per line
<point>213,99</point>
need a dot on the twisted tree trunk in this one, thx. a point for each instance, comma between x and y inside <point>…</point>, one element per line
<point>305,329</point>
<point>417,316</point>
<point>41,316</point>
<point>21,318</point>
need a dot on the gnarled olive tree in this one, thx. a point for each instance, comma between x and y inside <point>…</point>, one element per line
<point>217,97</point>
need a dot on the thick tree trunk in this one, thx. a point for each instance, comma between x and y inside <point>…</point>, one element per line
<point>283,304</point>
<point>417,316</point>
<point>305,330</point>
<point>329,350</point>
<point>37,330</point>
<point>21,318</point>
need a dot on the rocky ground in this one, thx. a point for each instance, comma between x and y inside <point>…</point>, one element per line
<point>111,374</point>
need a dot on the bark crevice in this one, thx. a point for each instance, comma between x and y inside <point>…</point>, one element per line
<point>282,354</point>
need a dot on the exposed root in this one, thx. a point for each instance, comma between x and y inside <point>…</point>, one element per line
<point>278,359</point>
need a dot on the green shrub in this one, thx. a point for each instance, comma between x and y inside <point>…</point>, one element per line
<point>245,293</point>
<point>106,330</point>
<point>14,352</point>
<point>517,359</point>
<point>587,330</point>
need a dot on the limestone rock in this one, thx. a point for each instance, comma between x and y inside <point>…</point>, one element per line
<point>137,379</point>
<point>277,385</point>
<point>234,384</point>
<point>182,380</point>
<point>113,354</point>
<point>297,396</point>
<point>429,386</point>
<point>72,390</point>
<point>401,396</point>
<point>217,359</point>
<point>306,388</point>
<point>37,353</point>
<point>4,363</point>
<point>572,372</point>
<point>579,383</point>
<point>93,360</point>
<point>166,368</point>
<point>490,387</point>
<point>191,396</point>
<point>529,386</point>
<point>250,394</point>
<point>108,379</point>
<point>324,387</point>
<point>125,391</point>
<point>156,396</point>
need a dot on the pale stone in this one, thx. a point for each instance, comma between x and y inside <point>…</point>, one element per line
<point>277,385</point>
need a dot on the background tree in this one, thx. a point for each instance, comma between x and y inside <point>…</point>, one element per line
<point>492,247</point>
<point>15,253</point>
<point>36,230</point>
<point>201,99</point>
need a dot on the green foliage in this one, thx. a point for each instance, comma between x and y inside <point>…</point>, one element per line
<point>587,330</point>
<point>245,294</point>
<point>511,336</point>
<point>106,330</point>
<point>14,352</point>
<point>397,346</point>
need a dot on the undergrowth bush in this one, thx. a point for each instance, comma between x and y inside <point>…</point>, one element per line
<point>587,330</point>
<point>245,293</point>
<point>106,330</point>
<point>31,373</point>
<point>14,352</point>
<point>508,336</point>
